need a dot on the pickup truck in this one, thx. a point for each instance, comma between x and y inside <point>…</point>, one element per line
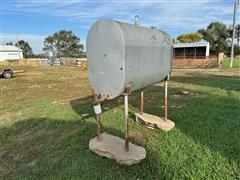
<point>6,73</point>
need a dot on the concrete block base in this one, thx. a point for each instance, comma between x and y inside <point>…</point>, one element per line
<point>154,121</point>
<point>112,147</point>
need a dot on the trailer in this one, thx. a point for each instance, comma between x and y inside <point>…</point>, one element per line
<point>6,73</point>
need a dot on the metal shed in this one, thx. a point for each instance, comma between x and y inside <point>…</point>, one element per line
<point>194,50</point>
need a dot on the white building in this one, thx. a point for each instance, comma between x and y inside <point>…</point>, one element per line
<point>9,52</point>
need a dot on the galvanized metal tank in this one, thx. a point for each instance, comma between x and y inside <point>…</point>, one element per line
<point>122,55</point>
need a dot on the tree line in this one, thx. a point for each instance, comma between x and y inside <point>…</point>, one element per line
<point>67,44</point>
<point>64,43</point>
<point>217,34</point>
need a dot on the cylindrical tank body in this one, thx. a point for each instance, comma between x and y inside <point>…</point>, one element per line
<point>122,55</point>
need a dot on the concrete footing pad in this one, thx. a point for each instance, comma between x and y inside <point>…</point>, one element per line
<point>154,121</point>
<point>112,147</point>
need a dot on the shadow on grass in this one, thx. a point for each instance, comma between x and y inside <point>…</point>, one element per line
<point>54,148</point>
<point>213,121</point>
<point>57,149</point>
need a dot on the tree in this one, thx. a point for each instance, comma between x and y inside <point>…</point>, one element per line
<point>65,42</point>
<point>191,37</point>
<point>230,32</point>
<point>27,50</point>
<point>236,50</point>
<point>216,34</point>
<point>9,43</point>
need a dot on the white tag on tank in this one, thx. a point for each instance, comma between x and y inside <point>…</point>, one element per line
<point>97,109</point>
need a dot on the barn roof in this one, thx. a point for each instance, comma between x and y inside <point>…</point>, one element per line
<point>9,48</point>
<point>193,44</point>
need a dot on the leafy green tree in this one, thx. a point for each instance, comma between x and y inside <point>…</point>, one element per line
<point>191,37</point>
<point>65,42</point>
<point>27,50</point>
<point>237,35</point>
<point>236,50</point>
<point>216,34</point>
<point>84,55</point>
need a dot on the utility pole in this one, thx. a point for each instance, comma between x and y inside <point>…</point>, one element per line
<point>234,28</point>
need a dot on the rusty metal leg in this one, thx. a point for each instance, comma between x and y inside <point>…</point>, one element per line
<point>142,102</point>
<point>98,111</point>
<point>166,101</point>
<point>126,122</point>
<point>98,131</point>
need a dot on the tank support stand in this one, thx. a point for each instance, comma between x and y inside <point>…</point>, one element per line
<point>142,102</point>
<point>97,111</point>
<point>113,147</point>
<point>153,121</point>
<point>126,122</point>
<point>98,131</point>
<point>166,100</point>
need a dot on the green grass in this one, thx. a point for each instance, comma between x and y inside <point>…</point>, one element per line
<point>226,63</point>
<point>47,121</point>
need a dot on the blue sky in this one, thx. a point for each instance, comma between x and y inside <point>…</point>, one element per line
<point>33,20</point>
